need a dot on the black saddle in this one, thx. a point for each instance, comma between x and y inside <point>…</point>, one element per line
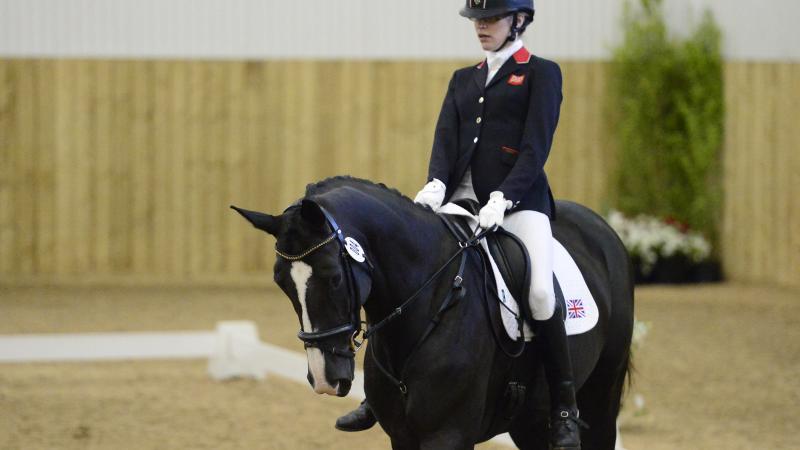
<point>511,257</point>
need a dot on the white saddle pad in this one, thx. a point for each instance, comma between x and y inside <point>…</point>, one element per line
<point>582,313</point>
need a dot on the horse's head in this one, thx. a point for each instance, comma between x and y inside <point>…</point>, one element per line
<point>326,283</point>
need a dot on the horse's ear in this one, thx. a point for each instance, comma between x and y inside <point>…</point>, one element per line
<point>312,213</point>
<point>264,222</point>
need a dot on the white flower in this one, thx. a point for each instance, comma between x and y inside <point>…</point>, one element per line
<point>649,239</point>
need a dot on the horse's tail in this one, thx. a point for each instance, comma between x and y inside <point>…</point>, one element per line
<point>630,367</point>
<point>628,373</point>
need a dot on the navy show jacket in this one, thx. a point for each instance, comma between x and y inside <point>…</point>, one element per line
<point>502,131</point>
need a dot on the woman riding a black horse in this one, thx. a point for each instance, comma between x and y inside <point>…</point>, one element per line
<point>492,140</point>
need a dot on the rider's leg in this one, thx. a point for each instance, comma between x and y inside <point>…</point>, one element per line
<point>359,419</point>
<point>533,229</point>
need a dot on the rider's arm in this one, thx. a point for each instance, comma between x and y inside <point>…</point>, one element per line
<point>445,139</point>
<point>543,110</point>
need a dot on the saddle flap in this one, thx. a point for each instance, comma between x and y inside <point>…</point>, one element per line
<point>513,262</point>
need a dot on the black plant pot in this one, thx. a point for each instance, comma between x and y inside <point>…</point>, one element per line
<point>708,271</point>
<point>674,269</point>
<point>639,277</point>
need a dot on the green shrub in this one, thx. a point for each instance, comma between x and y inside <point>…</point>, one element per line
<point>669,103</point>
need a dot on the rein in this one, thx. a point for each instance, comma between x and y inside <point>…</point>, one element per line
<point>456,291</point>
<point>312,339</point>
<point>456,284</point>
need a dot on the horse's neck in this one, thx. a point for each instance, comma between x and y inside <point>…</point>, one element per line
<point>406,245</point>
<point>407,251</point>
<point>408,248</point>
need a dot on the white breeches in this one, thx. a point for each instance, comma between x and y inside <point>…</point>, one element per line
<point>533,229</point>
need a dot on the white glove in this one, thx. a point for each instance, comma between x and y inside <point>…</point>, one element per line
<point>491,215</point>
<point>432,194</point>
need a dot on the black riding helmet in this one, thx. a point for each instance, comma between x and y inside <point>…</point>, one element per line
<point>484,9</point>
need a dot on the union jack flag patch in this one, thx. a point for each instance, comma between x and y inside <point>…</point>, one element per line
<point>575,309</point>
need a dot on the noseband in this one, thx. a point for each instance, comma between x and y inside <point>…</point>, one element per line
<point>315,338</point>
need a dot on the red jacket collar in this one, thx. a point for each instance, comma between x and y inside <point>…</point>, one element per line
<point>522,56</point>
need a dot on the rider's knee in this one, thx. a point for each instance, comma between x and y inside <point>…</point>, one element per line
<point>542,303</point>
<point>541,296</point>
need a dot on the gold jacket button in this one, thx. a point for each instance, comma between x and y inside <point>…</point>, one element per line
<point>478,120</point>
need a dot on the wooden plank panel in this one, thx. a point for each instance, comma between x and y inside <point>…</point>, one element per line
<point>381,122</point>
<point>179,216</point>
<point>159,169</point>
<point>67,168</point>
<point>746,190</point>
<point>194,165</point>
<point>731,168</point>
<point>769,257</point>
<point>101,173</point>
<point>138,168</point>
<point>8,152</point>
<point>216,155</point>
<point>755,194</point>
<point>123,159</point>
<point>259,104</point>
<point>43,168</point>
<point>781,204</point>
<point>63,156</point>
<point>23,177</point>
<point>790,144</point>
<point>83,160</point>
<point>362,91</point>
<point>149,149</point>
<point>233,147</point>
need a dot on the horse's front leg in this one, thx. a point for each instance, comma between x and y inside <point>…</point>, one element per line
<point>404,443</point>
<point>447,439</point>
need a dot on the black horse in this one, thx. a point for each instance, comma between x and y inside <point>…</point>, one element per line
<point>435,375</point>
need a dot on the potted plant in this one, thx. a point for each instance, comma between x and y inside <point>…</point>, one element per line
<point>662,251</point>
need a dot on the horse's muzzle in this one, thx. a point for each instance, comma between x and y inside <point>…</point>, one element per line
<point>343,388</point>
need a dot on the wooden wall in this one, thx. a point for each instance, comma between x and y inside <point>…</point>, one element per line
<point>125,169</point>
<point>761,221</point>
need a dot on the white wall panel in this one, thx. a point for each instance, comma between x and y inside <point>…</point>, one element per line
<point>569,29</point>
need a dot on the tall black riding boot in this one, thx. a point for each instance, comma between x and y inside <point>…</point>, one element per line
<point>564,421</point>
<point>359,419</point>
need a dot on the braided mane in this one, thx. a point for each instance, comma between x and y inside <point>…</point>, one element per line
<point>328,184</point>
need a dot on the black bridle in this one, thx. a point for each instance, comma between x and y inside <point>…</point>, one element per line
<point>355,302</point>
<point>316,339</point>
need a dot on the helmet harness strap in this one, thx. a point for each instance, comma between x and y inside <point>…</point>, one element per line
<point>515,31</point>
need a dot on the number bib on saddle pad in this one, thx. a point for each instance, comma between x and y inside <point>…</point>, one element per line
<point>572,293</point>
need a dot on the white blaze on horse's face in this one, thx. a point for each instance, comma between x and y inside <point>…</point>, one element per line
<point>301,273</point>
